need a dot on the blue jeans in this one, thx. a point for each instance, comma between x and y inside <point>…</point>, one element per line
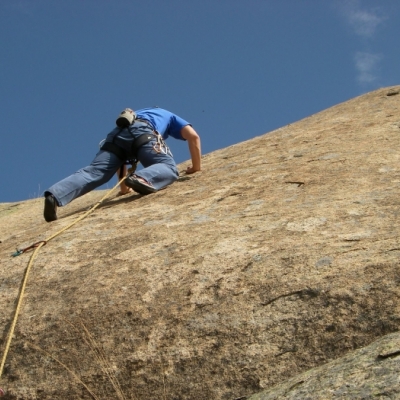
<point>159,168</point>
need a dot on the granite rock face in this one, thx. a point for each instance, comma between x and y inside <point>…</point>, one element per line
<point>372,372</point>
<point>280,256</point>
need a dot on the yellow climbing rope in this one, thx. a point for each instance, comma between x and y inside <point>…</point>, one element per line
<point>38,246</point>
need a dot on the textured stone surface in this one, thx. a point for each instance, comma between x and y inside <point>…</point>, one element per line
<point>372,372</point>
<point>281,256</point>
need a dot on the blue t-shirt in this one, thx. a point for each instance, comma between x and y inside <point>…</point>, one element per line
<point>164,122</point>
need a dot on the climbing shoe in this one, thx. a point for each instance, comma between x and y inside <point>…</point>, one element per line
<point>139,185</point>
<point>50,208</point>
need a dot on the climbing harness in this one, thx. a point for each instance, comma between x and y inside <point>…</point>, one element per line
<point>124,120</point>
<point>37,246</point>
<point>119,151</point>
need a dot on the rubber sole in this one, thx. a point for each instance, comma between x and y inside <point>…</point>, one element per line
<point>138,186</point>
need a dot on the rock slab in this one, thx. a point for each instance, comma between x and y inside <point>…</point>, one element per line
<point>281,256</point>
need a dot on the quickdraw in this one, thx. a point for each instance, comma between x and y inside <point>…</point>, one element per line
<point>160,146</point>
<point>32,246</point>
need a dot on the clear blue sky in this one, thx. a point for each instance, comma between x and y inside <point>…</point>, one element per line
<point>234,68</point>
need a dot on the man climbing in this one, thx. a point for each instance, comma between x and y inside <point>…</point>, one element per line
<point>139,136</point>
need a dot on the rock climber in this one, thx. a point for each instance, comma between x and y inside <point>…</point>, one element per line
<point>139,136</point>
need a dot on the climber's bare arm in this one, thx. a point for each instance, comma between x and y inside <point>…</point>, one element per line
<point>194,144</point>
